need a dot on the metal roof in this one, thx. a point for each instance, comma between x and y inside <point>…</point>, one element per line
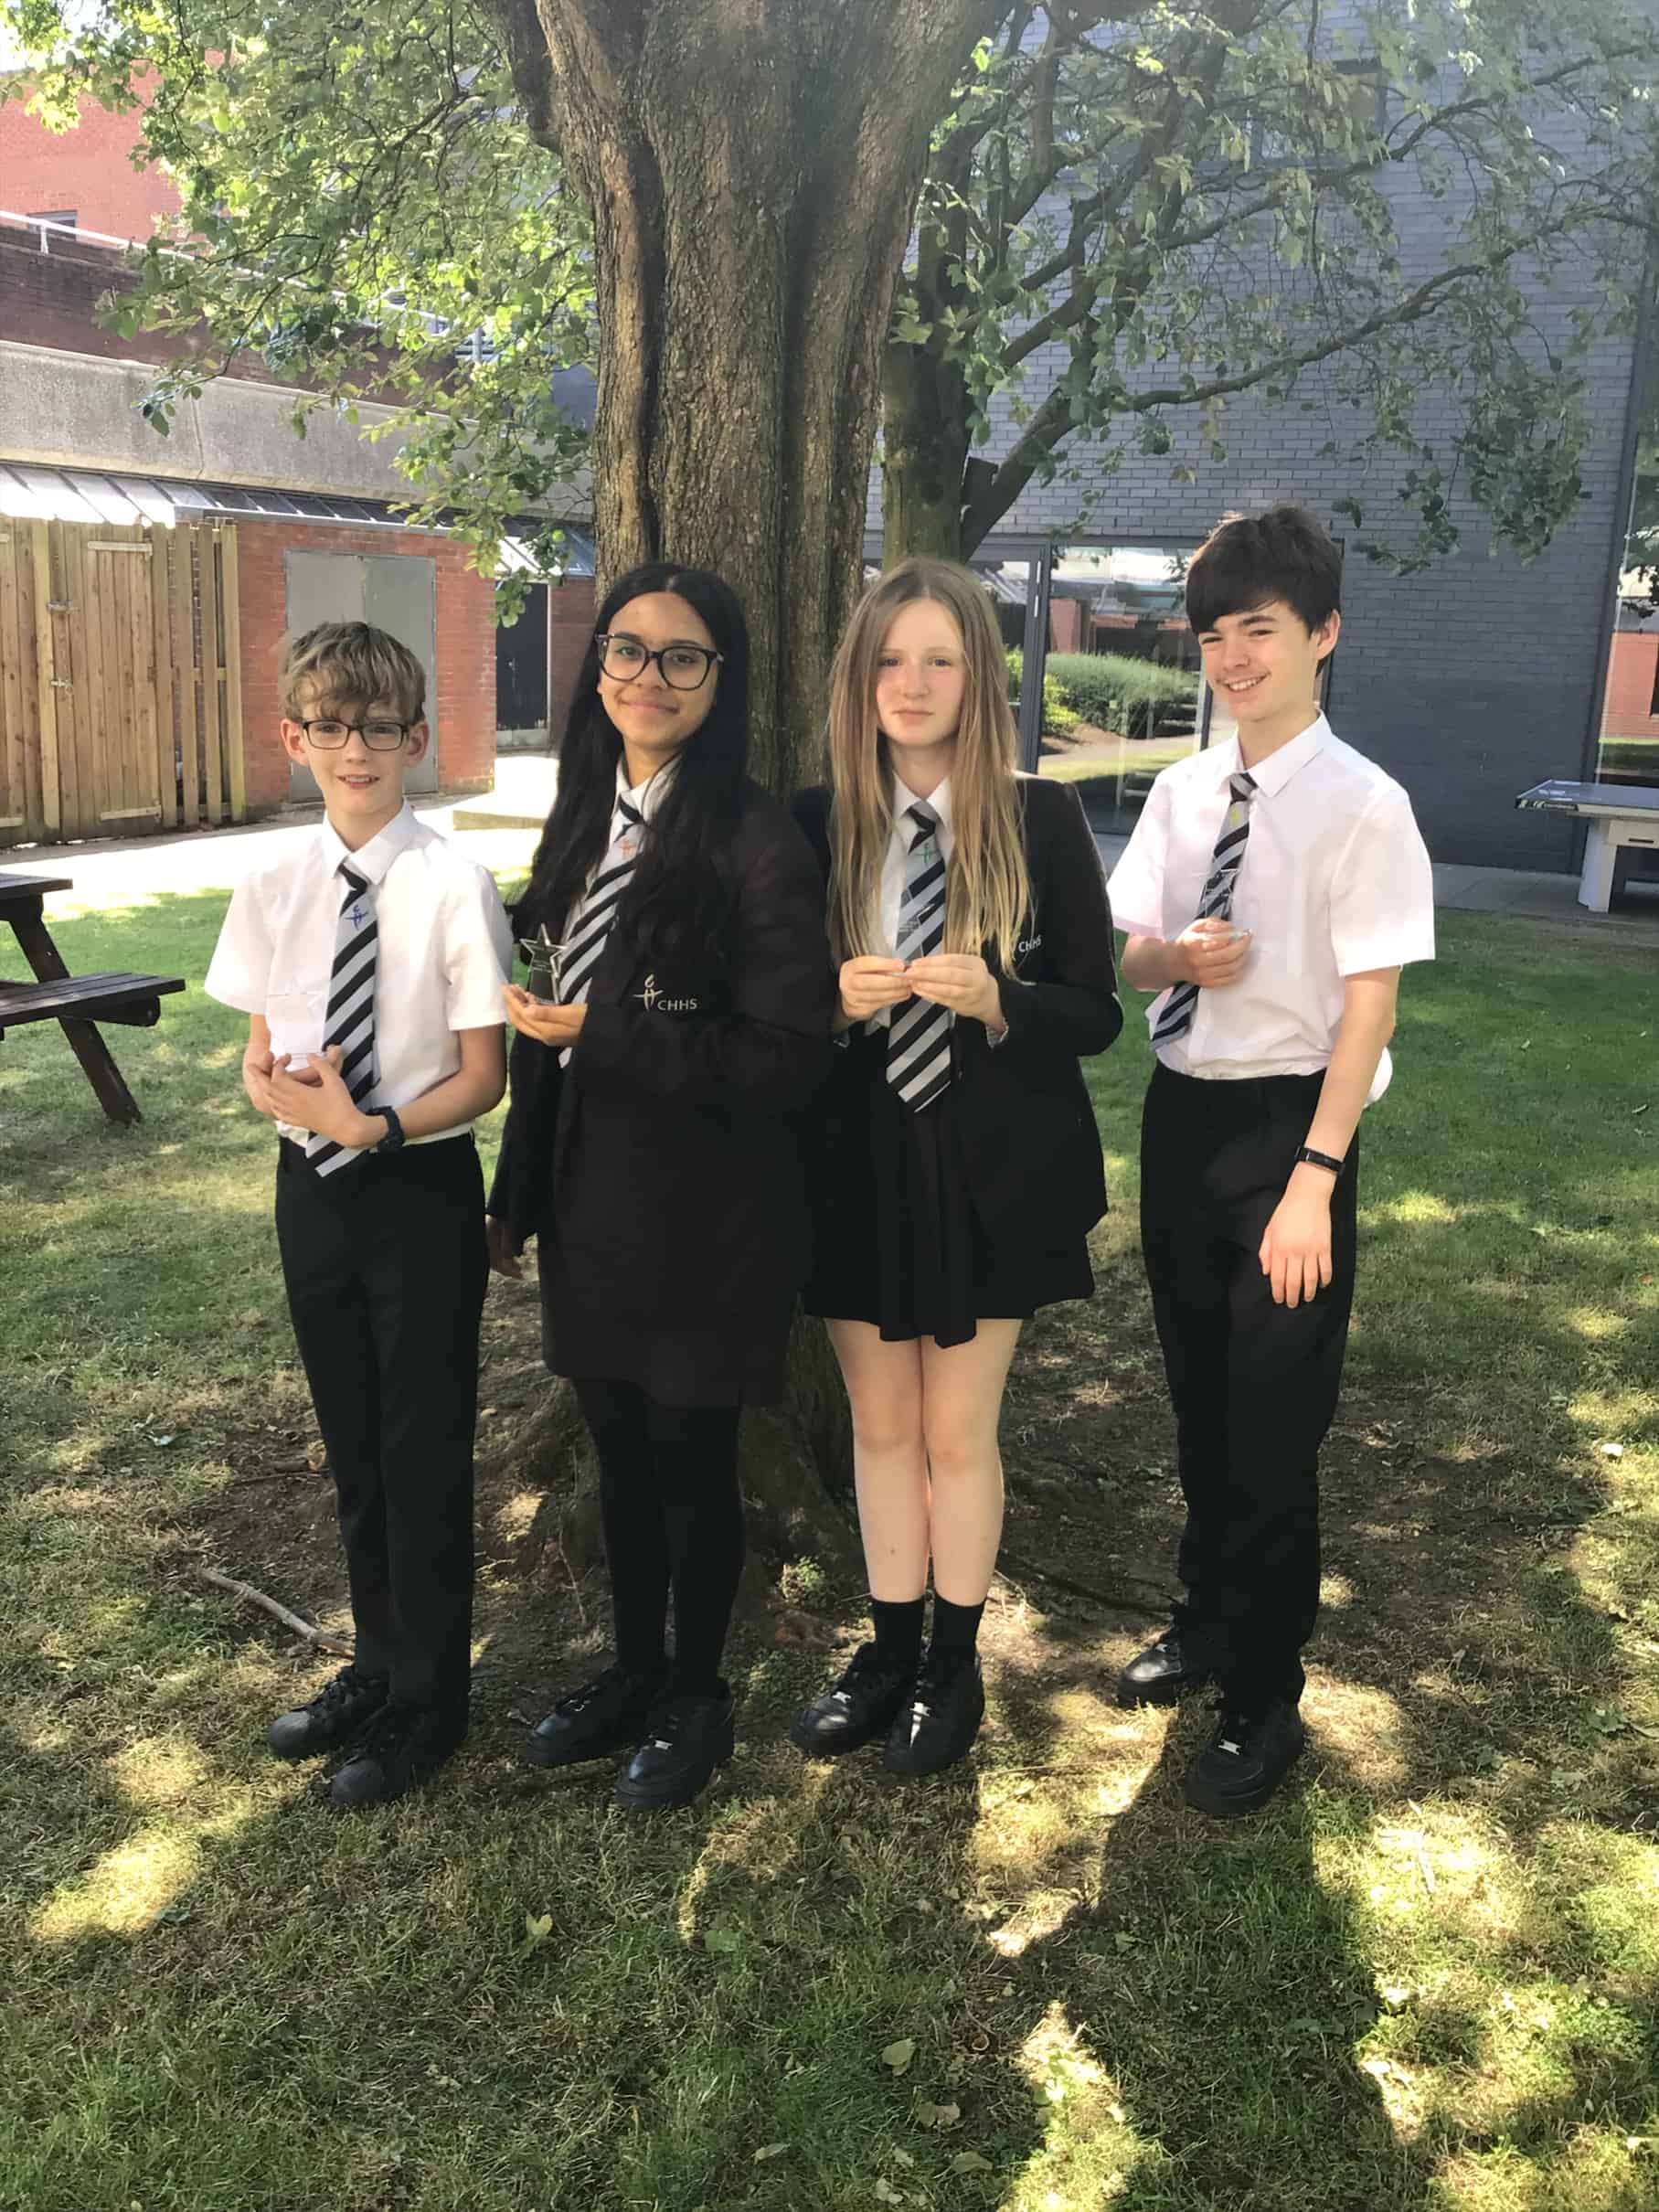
<point>45,495</point>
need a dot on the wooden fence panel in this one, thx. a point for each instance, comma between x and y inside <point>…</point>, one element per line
<point>121,679</point>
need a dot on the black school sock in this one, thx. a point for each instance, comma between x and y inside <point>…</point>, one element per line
<point>898,1631</point>
<point>955,1635</point>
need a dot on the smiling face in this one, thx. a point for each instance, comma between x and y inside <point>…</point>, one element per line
<point>362,789</point>
<point>1263,665</point>
<point>921,679</point>
<point>653,718</point>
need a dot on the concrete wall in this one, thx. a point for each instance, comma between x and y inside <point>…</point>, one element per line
<point>60,409</point>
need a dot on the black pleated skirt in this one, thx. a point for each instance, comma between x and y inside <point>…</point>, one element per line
<point>900,1243</point>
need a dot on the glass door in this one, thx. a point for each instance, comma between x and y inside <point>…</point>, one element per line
<point>1120,695</point>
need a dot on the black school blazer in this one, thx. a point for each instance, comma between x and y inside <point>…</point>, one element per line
<point>668,1159</point>
<point>1028,1136</point>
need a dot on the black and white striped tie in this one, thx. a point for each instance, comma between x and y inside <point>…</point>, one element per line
<point>349,1022</point>
<point>595,913</point>
<point>919,1041</point>
<point>1176,1018</point>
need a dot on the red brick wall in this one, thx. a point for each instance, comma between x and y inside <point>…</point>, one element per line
<point>1629,685</point>
<point>89,169</point>
<point>569,626</point>
<point>465,701</point>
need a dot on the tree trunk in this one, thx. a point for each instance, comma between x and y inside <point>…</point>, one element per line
<point>924,440</point>
<point>753,167</point>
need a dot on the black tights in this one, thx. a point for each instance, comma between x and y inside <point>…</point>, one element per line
<point>673,1518</point>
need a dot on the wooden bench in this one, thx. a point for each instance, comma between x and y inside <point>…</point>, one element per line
<point>75,1002</point>
<point>1614,815</point>
<point>132,1000</point>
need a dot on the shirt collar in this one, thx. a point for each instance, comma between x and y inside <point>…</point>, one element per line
<point>1273,774</point>
<point>373,861</point>
<point>646,797</point>
<point>901,796</point>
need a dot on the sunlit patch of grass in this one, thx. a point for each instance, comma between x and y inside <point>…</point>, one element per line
<point>1424,1981</point>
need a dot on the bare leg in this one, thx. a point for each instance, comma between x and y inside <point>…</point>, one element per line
<point>883,1385</point>
<point>961,1397</point>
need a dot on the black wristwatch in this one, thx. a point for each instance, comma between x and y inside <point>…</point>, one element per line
<point>393,1139</point>
<point>1319,1159</point>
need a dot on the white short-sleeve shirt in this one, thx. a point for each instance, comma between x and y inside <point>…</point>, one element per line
<point>445,951</point>
<point>1336,880</point>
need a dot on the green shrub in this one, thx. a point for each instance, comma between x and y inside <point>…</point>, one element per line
<point>1116,691</point>
<point>1059,718</point>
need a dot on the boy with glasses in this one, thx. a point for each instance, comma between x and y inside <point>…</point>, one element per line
<point>370,957</point>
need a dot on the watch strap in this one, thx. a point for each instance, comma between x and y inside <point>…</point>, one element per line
<point>1319,1159</point>
<point>393,1139</point>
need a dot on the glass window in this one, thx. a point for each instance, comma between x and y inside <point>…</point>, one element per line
<point>1122,692</point>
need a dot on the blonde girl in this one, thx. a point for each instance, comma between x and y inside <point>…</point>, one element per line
<point>960,1167</point>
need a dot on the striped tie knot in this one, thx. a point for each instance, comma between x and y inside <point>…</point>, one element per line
<point>926,822</point>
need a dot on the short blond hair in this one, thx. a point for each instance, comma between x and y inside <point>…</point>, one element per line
<point>350,664</point>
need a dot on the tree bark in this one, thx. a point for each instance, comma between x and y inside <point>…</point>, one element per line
<point>924,441</point>
<point>753,167</point>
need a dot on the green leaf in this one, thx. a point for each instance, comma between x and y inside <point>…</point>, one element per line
<point>538,1928</point>
<point>970,2162</point>
<point>898,2055</point>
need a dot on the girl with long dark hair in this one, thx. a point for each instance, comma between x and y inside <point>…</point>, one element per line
<point>654,1147</point>
<point>961,1168</point>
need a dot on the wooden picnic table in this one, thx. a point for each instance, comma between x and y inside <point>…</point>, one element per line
<point>1616,815</point>
<point>75,1002</point>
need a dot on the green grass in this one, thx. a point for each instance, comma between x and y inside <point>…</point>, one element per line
<point>1427,1978</point>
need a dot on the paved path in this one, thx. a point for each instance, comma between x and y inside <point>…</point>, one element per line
<point>500,828</point>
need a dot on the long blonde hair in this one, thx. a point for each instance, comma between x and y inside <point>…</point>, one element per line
<point>988,891</point>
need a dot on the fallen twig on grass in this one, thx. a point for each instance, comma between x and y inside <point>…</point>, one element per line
<point>1111,1602</point>
<point>323,1642</point>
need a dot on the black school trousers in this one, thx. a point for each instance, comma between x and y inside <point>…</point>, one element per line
<point>386,1269</point>
<point>1254,1384</point>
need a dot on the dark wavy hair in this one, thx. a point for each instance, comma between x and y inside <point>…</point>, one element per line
<point>1247,560</point>
<point>680,905</point>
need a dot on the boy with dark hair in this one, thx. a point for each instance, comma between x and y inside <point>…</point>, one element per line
<point>370,957</point>
<point>1273,889</point>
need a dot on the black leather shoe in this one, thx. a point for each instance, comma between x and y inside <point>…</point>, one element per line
<point>1245,1759</point>
<point>685,1740</point>
<point>862,1705</point>
<point>401,1748</point>
<point>1184,1658</point>
<point>936,1724</point>
<point>341,1709</point>
<point>606,1715</point>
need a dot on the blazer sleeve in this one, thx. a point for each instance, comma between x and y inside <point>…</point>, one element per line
<point>1075,1010</point>
<point>524,1164</point>
<point>769,1051</point>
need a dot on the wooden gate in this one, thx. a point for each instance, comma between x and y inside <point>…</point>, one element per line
<point>121,681</point>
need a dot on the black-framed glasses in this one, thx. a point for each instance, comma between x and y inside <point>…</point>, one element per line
<point>684,667</point>
<point>329,736</point>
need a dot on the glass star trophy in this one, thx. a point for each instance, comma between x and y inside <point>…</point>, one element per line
<point>543,957</point>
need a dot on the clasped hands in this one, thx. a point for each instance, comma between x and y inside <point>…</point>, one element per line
<point>960,982</point>
<point>311,1096</point>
